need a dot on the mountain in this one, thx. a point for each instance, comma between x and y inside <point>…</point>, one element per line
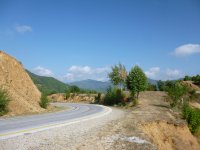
<point>48,85</point>
<point>152,81</point>
<point>24,95</point>
<point>99,85</point>
<point>92,85</point>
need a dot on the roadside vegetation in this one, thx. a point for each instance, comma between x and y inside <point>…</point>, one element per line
<point>127,86</point>
<point>44,102</point>
<point>73,90</point>
<point>4,100</point>
<point>180,95</point>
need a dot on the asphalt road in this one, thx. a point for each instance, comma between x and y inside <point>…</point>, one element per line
<point>15,126</point>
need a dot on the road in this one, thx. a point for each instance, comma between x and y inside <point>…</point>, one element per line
<point>15,126</point>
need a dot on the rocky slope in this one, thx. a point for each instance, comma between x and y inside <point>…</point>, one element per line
<point>23,93</point>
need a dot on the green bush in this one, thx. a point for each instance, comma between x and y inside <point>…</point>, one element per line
<point>113,96</point>
<point>44,101</point>
<point>97,98</point>
<point>151,87</point>
<point>192,117</point>
<point>67,95</point>
<point>176,93</point>
<point>4,99</point>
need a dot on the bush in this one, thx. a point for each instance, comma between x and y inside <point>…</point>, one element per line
<point>192,117</point>
<point>114,96</point>
<point>176,93</point>
<point>97,98</point>
<point>151,87</point>
<point>4,99</point>
<point>44,101</point>
<point>67,95</point>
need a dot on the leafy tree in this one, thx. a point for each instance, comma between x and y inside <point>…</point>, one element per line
<point>176,93</point>
<point>118,75</point>
<point>136,81</point>
<point>187,78</point>
<point>161,85</point>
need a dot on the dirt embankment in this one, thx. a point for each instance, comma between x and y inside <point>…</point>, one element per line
<point>162,125</point>
<point>73,98</point>
<point>23,93</point>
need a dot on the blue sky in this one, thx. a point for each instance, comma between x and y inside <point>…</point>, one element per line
<point>75,40</point>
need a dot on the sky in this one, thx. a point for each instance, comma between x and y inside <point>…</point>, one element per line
<point>82,39</point>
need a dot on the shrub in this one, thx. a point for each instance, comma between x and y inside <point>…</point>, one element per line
<point>176,93</point>
<point>44,101</point>
<point>67,95</point>
<point>192,117</point>
<point>97,98</point>
<point>114,96</point>
<point>151,87</point>
<point>4,99</point>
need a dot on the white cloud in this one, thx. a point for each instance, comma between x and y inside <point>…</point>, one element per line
<point>43,71</point>
<point>174,74</point>
<point>86,72</point>
<point>23,28</point>
<point>152,72</point>
<point>186,50</point>
<point>80,69</point>
<point>167,74</point>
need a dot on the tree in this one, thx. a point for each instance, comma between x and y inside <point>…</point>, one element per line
<point>136,81</point>
<point>118,75</point>
<point>187,78</point>
<point>161,85</point>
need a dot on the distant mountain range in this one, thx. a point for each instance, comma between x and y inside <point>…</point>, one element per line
<point>51,85</point>
<point>92,85</point>
<point>98,85</point>
<point>48,84</point>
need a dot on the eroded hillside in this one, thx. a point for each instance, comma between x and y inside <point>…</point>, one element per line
<point>23,93</point>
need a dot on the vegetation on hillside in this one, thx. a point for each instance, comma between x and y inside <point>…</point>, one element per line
<point>192,116</point>
<point>4,100</point>
<point>195,79</point>
<point>48,85</point>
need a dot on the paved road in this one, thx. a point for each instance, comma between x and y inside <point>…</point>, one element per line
<point>16,126</point>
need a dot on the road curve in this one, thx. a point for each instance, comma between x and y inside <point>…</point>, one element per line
<point>15,126</point>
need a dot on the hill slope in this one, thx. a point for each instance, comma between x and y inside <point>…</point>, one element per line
<point>23,93</point>
<point>92,85</point>
<point>48,84</point>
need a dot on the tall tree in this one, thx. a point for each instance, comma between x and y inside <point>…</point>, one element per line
<point>136,81</point>
<point>118,75</point>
